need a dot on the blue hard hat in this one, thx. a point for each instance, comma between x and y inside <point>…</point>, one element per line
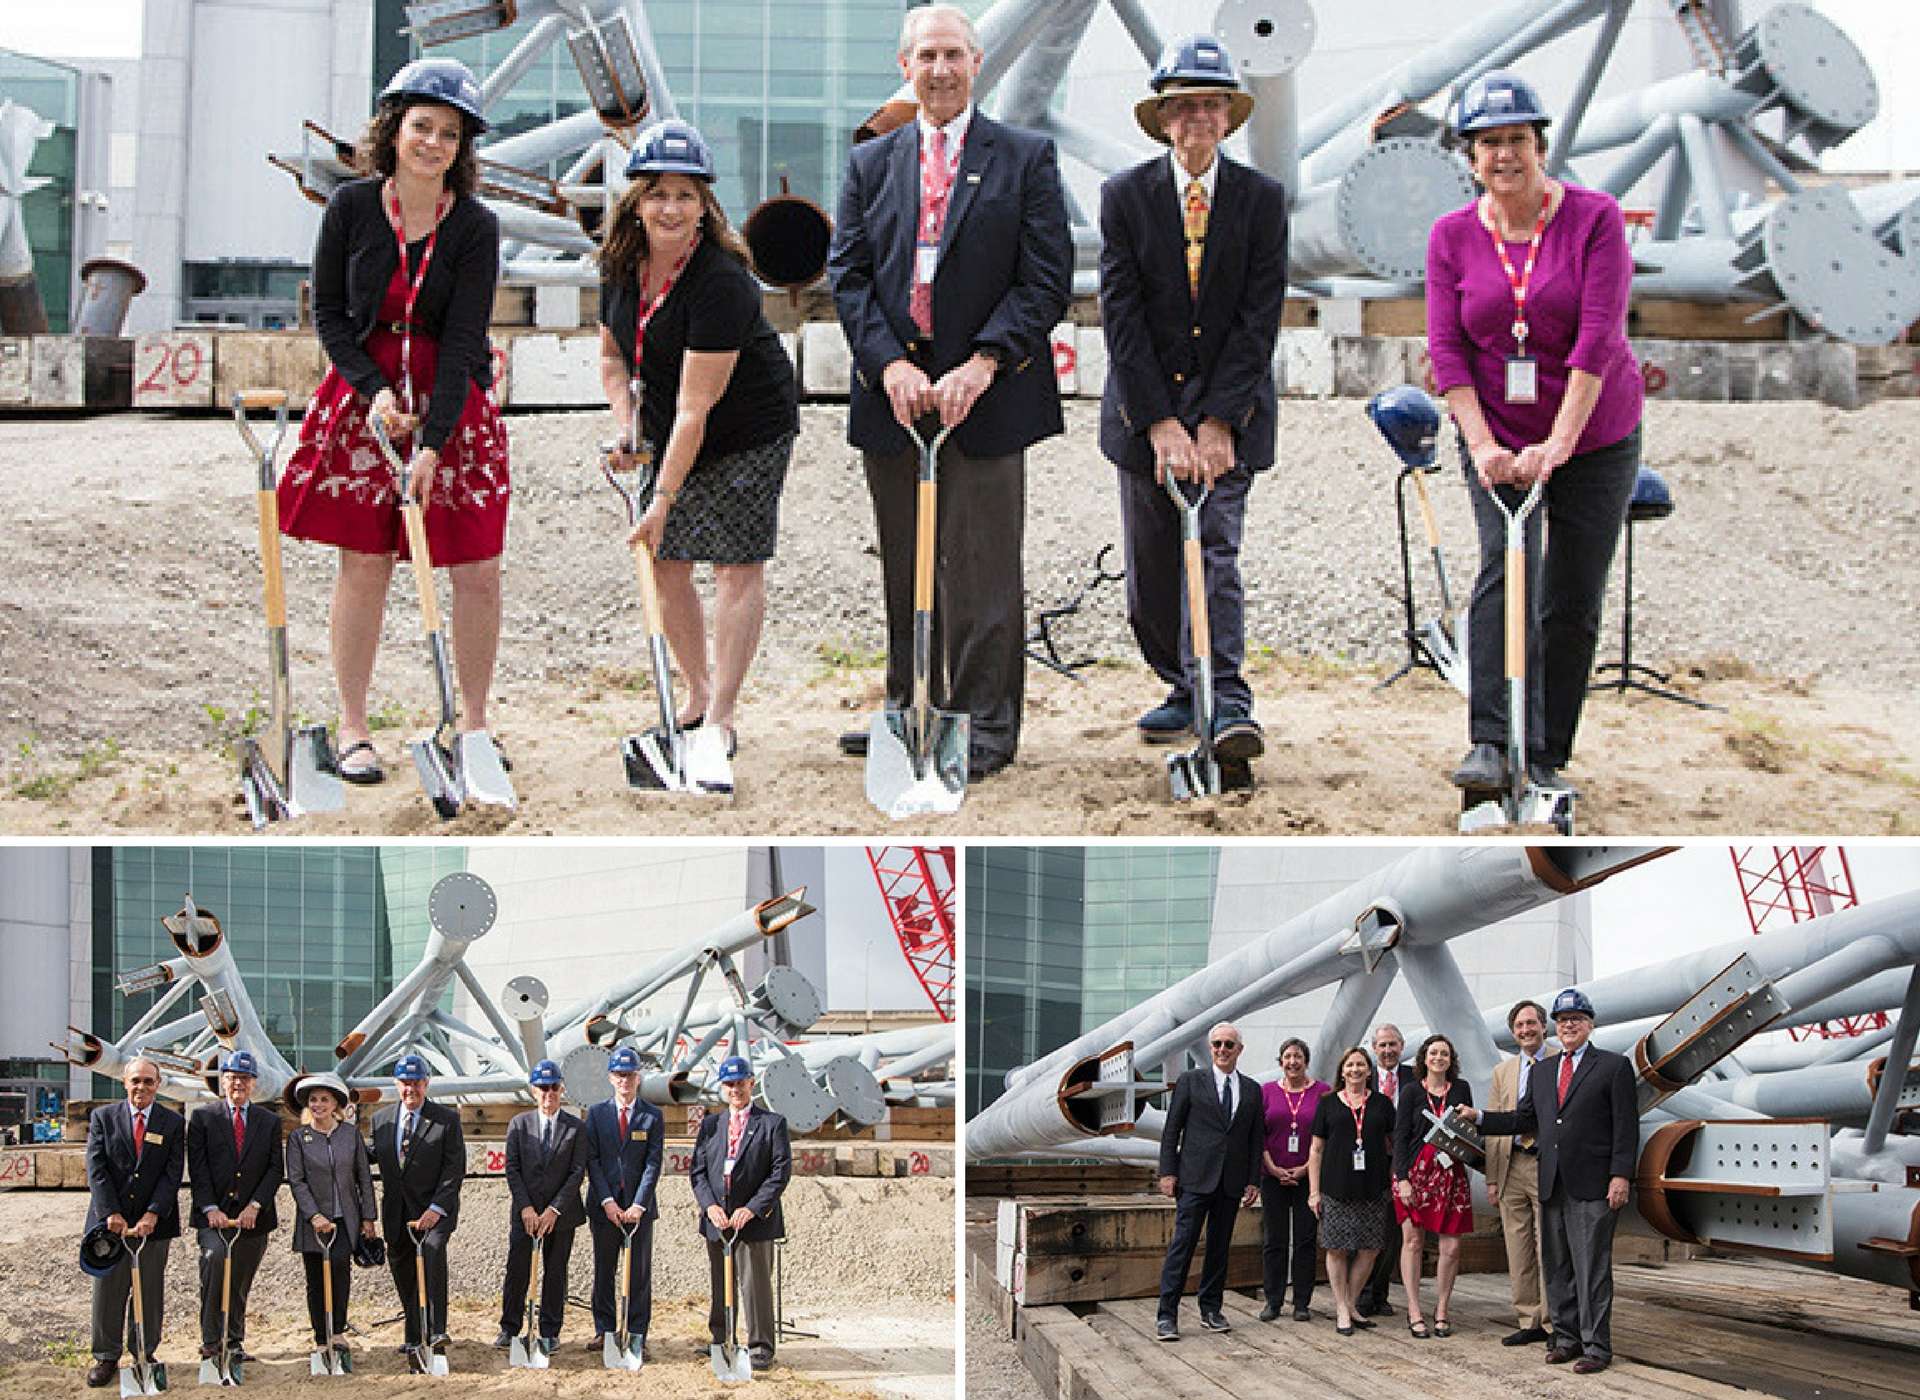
<point>443,80</point>
<point>1197,63</point>
<point>412,1067</point>
<point>1499,98</point>
<point>240,1062</point>
<point>625,1060</point>
<point>1651,498</point>
<point>671,147</point>
<point>101,1251</point>
<point>1409,419</point>
<point>1572,1002</point>
<point>545,1075</point>
<point>733,1069</point>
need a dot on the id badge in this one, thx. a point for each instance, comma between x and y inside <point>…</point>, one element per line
<point>727,1169</point>
<point>1293,1141</point>
<point>1359,1159</point>
<point>925,257</point>
<point>1523,379</point>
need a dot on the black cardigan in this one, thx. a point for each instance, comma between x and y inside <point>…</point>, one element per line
<point>1333,1122</point>
<point>353,262</point>
<point>1410,1125</point>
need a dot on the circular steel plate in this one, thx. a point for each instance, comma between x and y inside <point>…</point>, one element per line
<point>790,996</point>
<point>586,1070</point>
<point>856,1092</point>
<point>461,907</point>
<point>1835,273</point>
<point>787,1089</point>
<point>525,998</point>
<point>1389,198</point>
<point>1818,67</point>
<point>1267,38</point>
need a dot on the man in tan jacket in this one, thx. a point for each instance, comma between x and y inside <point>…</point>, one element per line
<point>1513,1175</point>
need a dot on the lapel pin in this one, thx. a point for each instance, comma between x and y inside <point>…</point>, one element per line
<point>973,177</point>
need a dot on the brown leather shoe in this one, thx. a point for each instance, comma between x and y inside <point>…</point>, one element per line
<point>1587,1365</point>
<point>1560,1356</point>
<point>101,1373</point>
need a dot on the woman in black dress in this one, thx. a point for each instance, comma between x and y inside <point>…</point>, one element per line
<point>1347,1170</point>
<point>718,407</point>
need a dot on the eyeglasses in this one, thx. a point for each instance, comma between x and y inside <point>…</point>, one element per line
<point>1225,1044</point>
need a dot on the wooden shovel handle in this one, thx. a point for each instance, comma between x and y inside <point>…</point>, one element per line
<point>1427,521</point>
<point>1517,611</point>
<point>649,589</point>
<point>923,547</point>
<point>249,399</point>
<point>422,564</point>
<point>275,580</point>
<point>1197,601</point>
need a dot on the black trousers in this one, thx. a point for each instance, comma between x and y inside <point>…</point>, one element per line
<point>979,659</point>
<point>1213,1211</point>
<point>1288,1248</point>
<point>433,1249</point>
<point>247,1250</point>
<point>1157,590</point>
<point>317,1294</point>
<point>607,1239</point>
<point>555,1250</point>
<point>1585,506</point>
<point>1386,1269</point>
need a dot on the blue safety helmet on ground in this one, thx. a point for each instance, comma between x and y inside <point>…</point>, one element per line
<point>101,1251</point>
<point>1572,1002</point>
<point>240,1062</point>
<point>733,1069</point>
<point>412,1067</point>
<point>1651,498</point>
<point>444,80</point>
<point>625,1060</point>
<point>546,1075</point>
<point>671,147</point>
<point>1409,420</point>
<point>1499,98</point>
<point>1199,63</point>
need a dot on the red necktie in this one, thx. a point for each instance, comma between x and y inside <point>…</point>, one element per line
<point>1566,1075</point>
<point>139,1134</point>
<point>239,1131</point>
<point>736,1125</point>
<point>936,183</point>
<point>623,1130</point>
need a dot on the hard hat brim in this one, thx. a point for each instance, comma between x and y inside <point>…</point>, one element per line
<point>1147,110</point>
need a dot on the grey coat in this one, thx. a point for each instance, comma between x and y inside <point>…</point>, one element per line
<point>329,1175</point>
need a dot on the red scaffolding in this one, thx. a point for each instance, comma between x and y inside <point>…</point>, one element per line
<point>1790,884</point>
<point>916,885</point>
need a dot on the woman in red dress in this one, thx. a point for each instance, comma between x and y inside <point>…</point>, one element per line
<point>403,285</point>
<point>1427,1195</point>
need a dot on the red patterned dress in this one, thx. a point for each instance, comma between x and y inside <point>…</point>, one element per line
<point>1442,1196</point>
<point>339,490</point>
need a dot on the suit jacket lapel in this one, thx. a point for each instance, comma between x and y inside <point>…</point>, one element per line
<point>974,158</point>
<point>905,183</point>
<point>1166,212</point>
<point>1579,1074</point>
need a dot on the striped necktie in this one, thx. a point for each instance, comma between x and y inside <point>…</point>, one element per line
<point>1196,233</point>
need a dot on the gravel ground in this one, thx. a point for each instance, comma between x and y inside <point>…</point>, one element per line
<point>994,1368</point>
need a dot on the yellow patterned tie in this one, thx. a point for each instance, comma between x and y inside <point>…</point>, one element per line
<point>1196,232</point>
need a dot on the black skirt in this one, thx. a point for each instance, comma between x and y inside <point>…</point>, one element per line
<point>728,509</point>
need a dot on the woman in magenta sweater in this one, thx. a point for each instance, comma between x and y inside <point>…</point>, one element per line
<point>1527,329</point>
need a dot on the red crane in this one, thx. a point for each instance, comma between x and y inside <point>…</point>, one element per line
<point>916,885</point>
<point>1791,884</point>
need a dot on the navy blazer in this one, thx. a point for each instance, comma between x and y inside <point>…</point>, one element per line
<point>760,1171</point>
<point>626,1171</point>
<point>1170,354</point>
<point>1200,1147</point>
<point>116,1183</point>
<point>434,1170</point>
<point>1592,1137</point>
<point>1003,279</point>
<point>221,1181</point>
<point>540,1178</point>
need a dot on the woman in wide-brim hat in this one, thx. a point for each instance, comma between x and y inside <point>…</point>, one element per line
<point>331,1178</point>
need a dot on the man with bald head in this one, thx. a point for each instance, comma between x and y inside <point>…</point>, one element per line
<point>1210,1164</point>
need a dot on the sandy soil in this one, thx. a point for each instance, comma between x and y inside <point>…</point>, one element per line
<point>1783,588</point>
<point>869,1268</point>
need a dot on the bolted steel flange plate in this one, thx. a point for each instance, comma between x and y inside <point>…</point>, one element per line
<point>1389,198</point>
<point>786,992</point>
<point>1817,66</point>
<point>461,906</point>
<point>1267,38</point>
<point>525,998</point>
<point>856,1092</point>
<point>1835,273</point>
<point>585,1068</point>
<point>787,1089</point>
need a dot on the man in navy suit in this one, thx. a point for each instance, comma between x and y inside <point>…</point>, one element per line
<point>742,1162</point>
<point>951,264</point>
<point>1390,1076</point>
<point>1582,1109</point>
<point>626,1141</point>
<point>422,1155</point>
<point>546,1160</point>
<point>1193,277</point>
<point>136,1152</point>
<point>233,1159</point>
<point>1210,1164</point>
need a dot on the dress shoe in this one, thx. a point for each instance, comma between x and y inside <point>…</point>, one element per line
<point>241,1354</point>
<point>102,1373</point>
<point>1485,766</point>
<point>1380,1309</point>
<point>1270,1313</point>
<point>596,1342</point>
<point>1236,775</point>
<point>853,743</point>
<point>760,1358</point>
<point>1215,1322</point>
<point>1526,1336</point>
<point>1547,776</point>
<point>503,1341</point>
<point>1560,1356</point>
<point>1163,1331</point>
<point>1302,1315</point>
<point>1168,722</point>
<point>981,766</point>
<point>1587,1365</point>
<point>1236,737</point>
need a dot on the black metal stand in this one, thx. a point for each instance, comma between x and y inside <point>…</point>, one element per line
<point>783,1329</point>
<point>1630,670</point>
<point>1040,644</point>
<point>1417,653</point>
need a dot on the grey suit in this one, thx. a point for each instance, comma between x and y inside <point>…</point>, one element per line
<point>329,1175</point>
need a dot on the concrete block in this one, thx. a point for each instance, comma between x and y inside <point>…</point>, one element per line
<point>1743,371</point>
<point>554,371</point>
<point>813,1161</point>
<point>1066,358</point>
<point>1836,374</point>
<point>1091,345</point>
<point>81,371</point>
<point>267,360</point>
<point>856,1160</point>
<point>556,308</point>
<point>826,361</point>
<point>173,369</point>
<point>16,380</point>
<point>1691,370</point>
<point>18,1168</point>
<point>1343,316</point>
<point>1304,363</point>
<point>1364,365</point>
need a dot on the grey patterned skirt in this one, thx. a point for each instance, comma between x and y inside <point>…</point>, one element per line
<point>728,510</point>
<point>1353,1225</point>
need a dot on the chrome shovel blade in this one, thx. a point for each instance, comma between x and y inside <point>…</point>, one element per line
<point>259,788</point>
<point>313,774</point>
<point>143,1379</point>
<point>482,774</point>
<point>437,1361</point>
<point>210,1373</point>
<point>656,763</point>
<point>1484,817</point>
<point>1548,807</point>
<point>439,778</point>
<point>1193,774</point>
<point>1451,661</point>
<point>708,766</point>
<point>905,778</point>
<point>616,1357</point>
<point>317,1364</point>
<point>730,1363</point>
<point>523,1356</point>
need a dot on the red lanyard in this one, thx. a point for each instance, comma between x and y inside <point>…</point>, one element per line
<point>1521,282</point>
<point>1359,1116</point>
<point>1293,1104</point>
<point>415,283</point>
<point>1439,1105</point>
<point>645,306</point>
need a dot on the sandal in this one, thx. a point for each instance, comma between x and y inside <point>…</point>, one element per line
<point>1442,1328</point>
<point>365,774</point>
<point>1419,1330</point>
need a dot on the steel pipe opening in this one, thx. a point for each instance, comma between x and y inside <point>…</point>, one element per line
<point>787,238</point>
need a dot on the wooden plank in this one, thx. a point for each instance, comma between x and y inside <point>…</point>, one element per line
<point>1087,1278</point>
<point>1144,1223</point>
<point>16,371</point>
<point>270,360</point>
<point>18,1168</point>
<point>82,371</point>
<point>1658,318</point>
<point>1168,1370</point>
<point>1057,1179</point>
<point>173,369</point>
<point>1219,1357</point>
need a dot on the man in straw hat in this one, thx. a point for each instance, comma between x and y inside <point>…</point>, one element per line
<point>1193,276</point>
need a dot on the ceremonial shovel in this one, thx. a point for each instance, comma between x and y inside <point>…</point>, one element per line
<point>430,1357</point>
<point>141,1377</point>
<point>1195,774</point>
<point>329,1361</point>
<point>527,1351</point>
<point>730,1359</point>
<point>621,1349</point>
<point>223,1369</point>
